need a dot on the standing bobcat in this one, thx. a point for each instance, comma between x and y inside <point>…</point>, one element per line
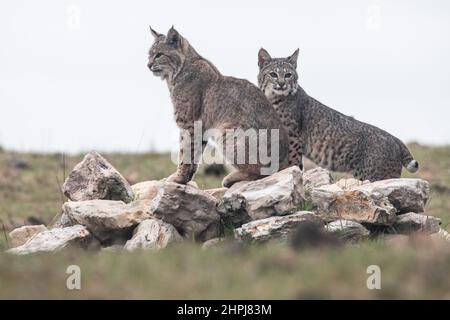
<point>200,94</point>
<point>326,136</point>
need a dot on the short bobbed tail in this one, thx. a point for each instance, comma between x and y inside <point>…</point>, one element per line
<point>408,161</point>
<point>412,166</point>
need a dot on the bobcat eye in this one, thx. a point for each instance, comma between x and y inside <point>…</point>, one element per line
<point>158,55</point>
<point>273,75</point>
<point>288,75</point>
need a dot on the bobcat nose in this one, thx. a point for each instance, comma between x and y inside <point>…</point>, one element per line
<point>150,65</point>
<point>282,85</point>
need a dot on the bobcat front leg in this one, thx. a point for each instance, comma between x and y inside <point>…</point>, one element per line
<point>191,149</point>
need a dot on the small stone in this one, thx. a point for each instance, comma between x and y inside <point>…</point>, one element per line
<point>152,234</point>
<point>348,184</point>
<point>348,230</point>
<point>415,222</point>
<point>216,192</point>
<point>316,177</point>
<point>279,227</point>
<point>95,178</point>
<point>146,189</point>
<point>21,235</point>
<point>57,239</point>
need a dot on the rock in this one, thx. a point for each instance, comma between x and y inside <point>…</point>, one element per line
<point>348,230</point>
<point>316,177</point>
<point>212,242</point>
<point>217,192</point>
<point>412,222</point>
<point>406,195</point>
<point>277,194</point>
<point>107,219</point>
<point>190,210</point>
<point>57,239</point>
<point>442,235</point>
<point>21,235</point>
<point>278,228</point>
<point>146,189</point>
<point>333,203</point>
<point>348,184</point>
<point>95,178</point>
<point>152,234</point>
<point>149,189</point>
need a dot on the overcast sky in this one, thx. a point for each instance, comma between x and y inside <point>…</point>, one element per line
<point>73,74</point>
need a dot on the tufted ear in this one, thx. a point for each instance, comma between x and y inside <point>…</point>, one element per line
<point>173,38</point>
<point>155,34</point>
<point>263,57</point>
<point>293,58</point>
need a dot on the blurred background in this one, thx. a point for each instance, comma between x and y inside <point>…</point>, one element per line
<point>74,77</point>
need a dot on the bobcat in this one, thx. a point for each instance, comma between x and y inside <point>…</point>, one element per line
<point>200,93</point>
<point>326,136</point>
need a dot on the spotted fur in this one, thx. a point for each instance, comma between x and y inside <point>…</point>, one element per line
<point>199,92</point>
<point>329,138</point>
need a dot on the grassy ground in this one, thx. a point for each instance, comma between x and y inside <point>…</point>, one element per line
<point>416,269</point>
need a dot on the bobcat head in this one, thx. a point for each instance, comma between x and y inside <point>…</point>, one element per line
<point>277,76</point>
<point>167,54</point>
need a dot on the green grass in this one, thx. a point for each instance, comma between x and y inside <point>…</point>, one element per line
<point>418,269</point>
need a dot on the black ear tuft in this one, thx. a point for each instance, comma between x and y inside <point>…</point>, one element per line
<point>293,58</point>
<point>173,38</point>
<point>154,33</point>
<point>263,57</point>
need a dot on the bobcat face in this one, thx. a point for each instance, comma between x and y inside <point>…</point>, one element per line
<point>166,56</point>
<point>277,76</point>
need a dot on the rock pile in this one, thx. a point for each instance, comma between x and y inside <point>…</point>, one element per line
<point>104,210</point>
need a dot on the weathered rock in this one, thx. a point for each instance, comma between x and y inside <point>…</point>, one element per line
<point>412,222</point>
<point>333,203</point>
<point>152,234</point>
<point>147,190</point>
<point>277,194</point>
<point>271,228</point>
<point>95,178</point>
<point>217,192</point>
<point>107,219</point>
<point>315,178</point>
<point>57,239</point>
<point>406,195</point>
<point>212,243</point>
<point>190,210</point>
<point>348,230</point>
<point>348,184</point>
<point>21,235</point>
<point>442,235</point>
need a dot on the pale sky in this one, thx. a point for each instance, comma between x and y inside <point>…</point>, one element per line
<point>73,74</point>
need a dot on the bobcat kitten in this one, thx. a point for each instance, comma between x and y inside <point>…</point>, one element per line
<point>326,136</point>
<point>201,94</point>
